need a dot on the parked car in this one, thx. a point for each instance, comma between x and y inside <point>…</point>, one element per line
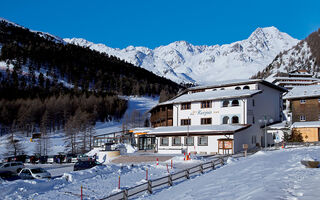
<point>51,159</point>
<point>81,165</point>
<point>43,159</point>
<point>34,173</point>
<point>11,167</point>
<point>70,158</point>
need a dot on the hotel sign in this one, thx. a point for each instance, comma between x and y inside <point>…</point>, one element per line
<point>201,112</point>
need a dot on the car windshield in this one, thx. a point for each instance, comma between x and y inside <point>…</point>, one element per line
<point>38,170</point>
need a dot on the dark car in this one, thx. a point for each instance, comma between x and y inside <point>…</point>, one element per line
<point>43,159</point>
<point>81,165</point>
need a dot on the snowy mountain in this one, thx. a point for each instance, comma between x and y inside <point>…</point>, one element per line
<point>183,62</point>
<point>304,55</point>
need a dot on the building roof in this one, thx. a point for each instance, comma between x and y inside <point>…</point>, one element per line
<point>303,92</point>
<point>306,124</point>
<point>212,95</point>
<point>198,129</point>
<point>296,78</point>
<point>238,82</point>
<point>279,126</point>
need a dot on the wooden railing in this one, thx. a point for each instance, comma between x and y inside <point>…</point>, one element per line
<point>167,180</point>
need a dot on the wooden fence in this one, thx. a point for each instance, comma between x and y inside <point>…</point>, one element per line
<point>167,180</point>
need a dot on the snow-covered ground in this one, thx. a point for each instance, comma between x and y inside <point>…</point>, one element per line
<point>264,175</point>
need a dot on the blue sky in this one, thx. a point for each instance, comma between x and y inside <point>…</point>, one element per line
<point>153,23</point>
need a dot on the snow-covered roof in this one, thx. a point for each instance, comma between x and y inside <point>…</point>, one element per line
<point>281,125</point>
<point>295,82</point>
<point>296,78</point>
<point>303,92</point>
<point>236,82</point>
<point>197,129</point>
<point>306,124</point>
<point>212,95</point>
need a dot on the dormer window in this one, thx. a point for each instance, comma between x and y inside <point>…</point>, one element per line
<point>246,87</point>
<point>238,88</point>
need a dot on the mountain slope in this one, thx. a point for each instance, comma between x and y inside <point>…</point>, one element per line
<point>304,55</point>
<point>183,62</point>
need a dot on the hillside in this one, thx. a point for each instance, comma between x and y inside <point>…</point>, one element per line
<point>183,62</point>
<point>304,55</point>
<point>47,85</point>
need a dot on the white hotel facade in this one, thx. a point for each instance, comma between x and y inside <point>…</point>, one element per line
<point>216,119</point>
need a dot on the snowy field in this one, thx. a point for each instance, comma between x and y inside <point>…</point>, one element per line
<point>264,175</point>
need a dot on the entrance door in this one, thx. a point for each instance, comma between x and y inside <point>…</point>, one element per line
<point>146,143</point>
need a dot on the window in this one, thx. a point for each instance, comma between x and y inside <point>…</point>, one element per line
<point>164,141</point>
<point>253,120</point>
<point>254,139</point>
<point>222,89</point>
<point>253,102</point>
<point>319,100</point>
<point>225,120</point>
<point>206,121</point>
<point>185,106</point>
<point>235,120</point>
<point>246,87</point>
<point>185,122</point>
<point>302,101</point>
<point>176,141</point>
<point>235,103</point>
<point>225,103</point>
<point>319,117</point>
<point>189,141</point>
<point>238,88</point>
<point>302,118</point>
<point>203,141</point>
<point>206,104</point>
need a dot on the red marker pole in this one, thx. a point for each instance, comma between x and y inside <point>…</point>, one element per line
<point>171,164</point>
<point>168,168</point>
<point>119,183</point>
<point>157,161</point>
<point>81,192</point>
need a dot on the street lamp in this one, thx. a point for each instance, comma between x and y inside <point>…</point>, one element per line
<point>265,120</point>
<point>187,136</point>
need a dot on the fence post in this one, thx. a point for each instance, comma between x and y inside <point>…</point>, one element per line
<point>170,180</point>
<point>221,161</point>
<point>150,187</point>
<point>187,174</point>
<point>125,194</point>
<point>212,164</point>
<point>201,169</point>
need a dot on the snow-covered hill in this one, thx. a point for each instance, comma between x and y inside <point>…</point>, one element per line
<point>183,62</point>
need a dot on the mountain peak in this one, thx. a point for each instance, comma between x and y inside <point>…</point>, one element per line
<point>181,61</point>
